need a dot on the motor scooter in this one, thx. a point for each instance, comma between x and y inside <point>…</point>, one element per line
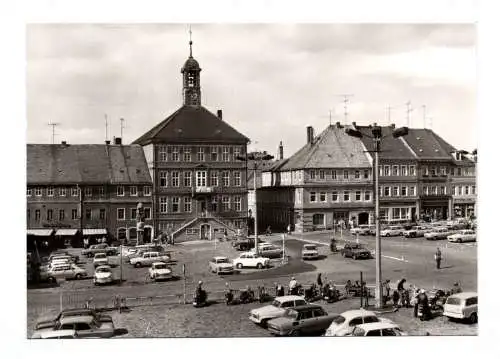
<point>246,296</point>
<point>229,297</point>
<point>423,312</point>
<point>200,299</point>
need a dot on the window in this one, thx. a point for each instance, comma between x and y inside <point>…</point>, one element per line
<point>312,197</point>
<point>190,80</point>
<point>214,203</point>
<point>387,191</point>
<point>312,174</point>
<point>175,204</point>
<point>74,214</point>
<point>163,204</point>
<point>453,190</point>
<point>452,171</point>
<point>466,190</point>
<point>88,191</point>
<point>236,153</point>
<point>214,153</point>
<point>101,191</point>
<point>162,150</point>
<point>120,213</point>
<point>346,174</point>
<point>460,190</point>
<point>237,204</point>
<point>404,191</point>
<point>163,179</point>
<point>225,154</point>
<point>443,171</point>
<point>133,190</point>
<point>214,180</point>
<point>75,191</point>
<point>62,192</point>
<point>318,219</point>
<point>395,191</point>
<point>357,195</point>
<point>412,191</point>
<point>102,213</point>
<point>225,203</point>
<point>225,178</point>
<point>347,196</point>
<point>426,190</point>
<point>237,179</point>
<point>88,213</point>
<point>442,190</point>
<point>321,174</point>
<point>433,171</point>
<point>187,179</point>
<point>322,196</point>
<point>187,154</point>
<point>147,212</point>
<point>404,170</point>
<point>37,214</point>
<point>381,171</point>
<point>459,171</point>
<point>434,190</point>
<point>335,196</point>
<point>334,175</point>
<point>28,192</point>
<point>396,213</point>
<point>357,174</point>
<point>147,190</point>
<point>120,191</point>
<point>472,189</point>
<point>201,154</point>
<point>387,170</point>
<point>49,215</point>
<point>425,171</point>
<point>368,196</point>
<point>366,174</point>
<point>395,170</point>
<point>470,301</point>
<point>133,213</point>
<point>175,179</point>
<point>61,214</point>
<point>50,191</point>
<point>411,170</point>
<point>201,178</point>
<point>175,154</point>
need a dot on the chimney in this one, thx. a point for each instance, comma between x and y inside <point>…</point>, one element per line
<point>63,143</point>
<point>310,134</point>
<point>338,125</point>
<point>219,114</point>
<point>118,140</point>
<point>280,151</point>
<point>108,142</point>
<point>354,124</point>
<point>393,126</point>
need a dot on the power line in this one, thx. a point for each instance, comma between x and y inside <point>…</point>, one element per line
<point>53,124</point>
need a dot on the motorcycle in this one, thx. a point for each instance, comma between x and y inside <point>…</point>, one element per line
<point>200,299</point>
<point>246,296</point>
<point>437,298</point>
<point>229,297</point>
<point>263,295</point>
<point>331,295</point>
<point>405,298</point>
<point>423,312</point>
<point>312,293</point>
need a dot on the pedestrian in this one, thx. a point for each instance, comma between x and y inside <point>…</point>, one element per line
<point>289,229</point>
<point>293,286</point>
<point>319,281</point>
<point>438,258</point>
<point>348,287</point>
<point>395,299</point>
<point>388,288</point>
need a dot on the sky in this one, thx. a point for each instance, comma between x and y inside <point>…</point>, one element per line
<point>270,80</point>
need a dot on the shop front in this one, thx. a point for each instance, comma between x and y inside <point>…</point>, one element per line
<point>464,208</point>
<point>435,209</point>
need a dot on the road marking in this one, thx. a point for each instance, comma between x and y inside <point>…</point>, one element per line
<point>402,259</point>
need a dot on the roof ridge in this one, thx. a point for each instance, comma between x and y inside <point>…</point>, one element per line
<point>342,150</point>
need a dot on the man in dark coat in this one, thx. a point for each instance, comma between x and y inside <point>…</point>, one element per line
<point>438,258</point>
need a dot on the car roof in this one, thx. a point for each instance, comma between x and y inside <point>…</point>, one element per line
<point>77,319</point>
<point>286,298</point>
<point>220,257</point>
<point>104,266</point>
<point>357,313</point>
<point>378,325</point>
<point>464,295</point>
<point>76,310</point>
<point>300,308</point>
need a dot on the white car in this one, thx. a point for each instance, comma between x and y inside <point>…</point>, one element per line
<point>363,230</point>
<point>66,271</point>
<point>160,271</point>
<point>310,251</point>
<point>103,275</point>
<point>100,259</point>
<point>250,260</point>
<point>465,235</point>
<point>345,322</point>
<point>461,306</point>
<point>377,329</point>
<point>148,258</point>
<point>277,308</point>
<point>220,265</point>
<point>392,231</point>
<point>437,233</point>
<point>269,250</point>
<point>416,231</point>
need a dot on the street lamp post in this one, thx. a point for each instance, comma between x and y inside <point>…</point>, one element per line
<point>377,138</point>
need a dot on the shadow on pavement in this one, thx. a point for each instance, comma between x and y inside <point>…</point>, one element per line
<point>121,331</point>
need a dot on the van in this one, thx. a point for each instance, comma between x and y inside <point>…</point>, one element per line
<point>461,306</point>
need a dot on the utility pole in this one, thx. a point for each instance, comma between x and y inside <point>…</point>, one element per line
<point>53,124</point>
<point>345,101</point>
<point>122,126</point>
<point>408,111</point>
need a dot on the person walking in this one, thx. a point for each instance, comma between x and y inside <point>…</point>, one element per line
<point>438,257</point>
<point>293,286</point>
<point>319,281</point>
<point>289,229</point>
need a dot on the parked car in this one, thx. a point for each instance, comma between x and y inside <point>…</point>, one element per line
<point>269,251</point>
<point>392,231</point>
<point>148,258</point>
<point>304,319</point>
<point>461,306</point>
<point>103,275</point>
<point>363,230</point>
<point>276,309</point>
<point>250,260</point>
<point>160,271</point>
<point>355,251</point>
<point>464,235</point>
<point>85,327</point>
<point>50,322</point>
<point>63,271</point>
<point>245,244</point>
<point>220,265</point>
<point>310,251</point>
<point>100,259</point>
<point>100,248</point>
<point>437,233</point>
<point>59,334</point>
<point>63,253</point>
<point>59,262</point>
<point>416,231</point>
<point>377,329</point>
<point>345,322</point>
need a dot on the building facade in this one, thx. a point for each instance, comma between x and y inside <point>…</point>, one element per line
<point>463,186</point>
<point>199,184</point>
<point>87,190</point>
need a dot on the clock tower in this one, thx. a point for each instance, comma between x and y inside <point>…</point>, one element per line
<point>191,80</point>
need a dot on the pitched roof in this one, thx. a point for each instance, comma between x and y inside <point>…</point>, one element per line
<point>427,145</point>
<point>333,148</point>
<point>91,164</point>
<point>391,148</point>
<point>192,123</point>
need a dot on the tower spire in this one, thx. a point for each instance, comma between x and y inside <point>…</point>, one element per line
<point>190,43</point>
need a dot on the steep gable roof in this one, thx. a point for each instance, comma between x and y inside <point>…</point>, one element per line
<point>333,148</point>
<point>90,164</point>
<point>192,123</point>
<point>427,146</point>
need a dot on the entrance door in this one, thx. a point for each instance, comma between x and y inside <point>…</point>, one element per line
<point>147,234</point>
<point>204,231</point>
<point>203,205</point>
<point>363,218</point>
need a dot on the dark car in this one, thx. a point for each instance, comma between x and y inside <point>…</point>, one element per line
<point>51,322</point>
<point>355,251</point>
<point>245,244</point>
<point>100,248</point>
<point>306,319</point>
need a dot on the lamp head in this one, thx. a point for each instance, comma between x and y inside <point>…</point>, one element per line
<point>351,131</point>
<point>402,131</point>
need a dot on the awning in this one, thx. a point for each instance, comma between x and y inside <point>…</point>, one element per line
<point>39,232</point>
<point>66,232</point>
<point>94,231</point>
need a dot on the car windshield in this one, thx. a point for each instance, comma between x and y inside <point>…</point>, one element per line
<point>453,301</point>
<point>161,266</point>
<point>103,270</point>
<point>339,320</point>
<point>291,313</point>
<point>222,260</point>
<point>100,256</point>
<point>276,304</point>
<point>310,247</point>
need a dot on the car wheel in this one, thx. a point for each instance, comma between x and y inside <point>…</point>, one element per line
<point>259,266</point>
<point>239,265</point>
<point>263,323</point>
<point>51,279</point>
<point>294,333</point>
<point>459,240</point>
<point>137,265</point>
<point>78,276</point>
<point>473,318</point>
<point>355,257</point>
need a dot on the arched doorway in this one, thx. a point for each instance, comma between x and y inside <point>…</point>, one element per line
<point>204,231</point>
<point>132,234</point>
<point>363,218</point>
<point>121,234</point>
